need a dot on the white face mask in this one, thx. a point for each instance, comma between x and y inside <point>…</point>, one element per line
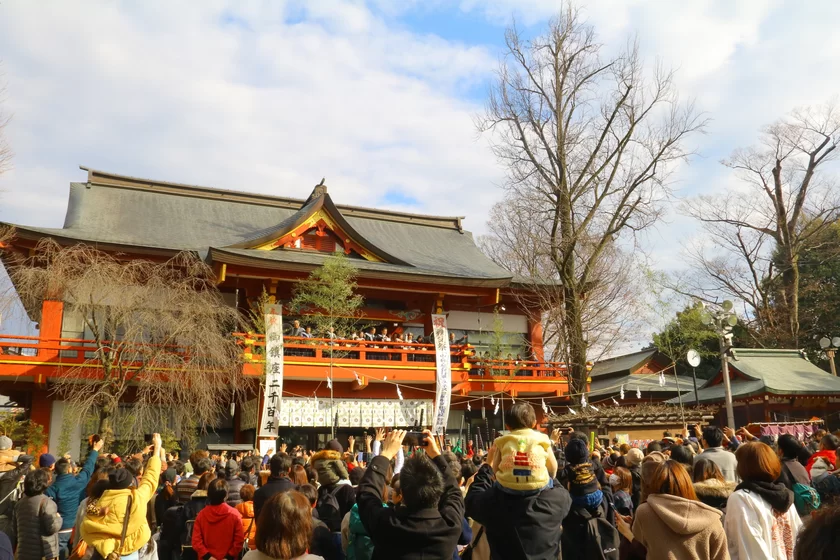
<point>614,480</point>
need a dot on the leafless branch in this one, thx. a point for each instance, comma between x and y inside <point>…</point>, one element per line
<point>589,145</point>
<point>160,332</point>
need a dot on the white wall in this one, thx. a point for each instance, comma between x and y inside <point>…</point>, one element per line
<point>469,321</point>
<point>56,423</point>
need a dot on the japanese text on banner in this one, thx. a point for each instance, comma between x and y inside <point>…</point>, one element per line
<point>273,371</point>
<point>443,360</point>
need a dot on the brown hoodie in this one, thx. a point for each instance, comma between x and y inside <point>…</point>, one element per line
<point>674,528</point>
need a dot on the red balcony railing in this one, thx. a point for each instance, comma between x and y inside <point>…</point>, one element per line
<point>303,351</point>
<point>516,369</point>
<point>383,354</point>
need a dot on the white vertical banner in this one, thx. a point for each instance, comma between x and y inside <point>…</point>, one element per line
<point>273,393</point>
<point>443,385</point>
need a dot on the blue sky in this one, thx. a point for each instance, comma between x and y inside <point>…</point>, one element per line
<point>377,96</point>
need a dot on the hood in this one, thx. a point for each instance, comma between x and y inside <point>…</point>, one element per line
<point>714,488</point>
<point>775,494</point>
<point>682,516</point>
<point>246,509</point>
<point>216,514</point>
<point>198,494</point>
<point>326,455</point>
<point>330,466</point>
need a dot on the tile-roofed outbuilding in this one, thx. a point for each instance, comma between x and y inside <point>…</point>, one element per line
<point>759,371</point>
<point>638,370</point>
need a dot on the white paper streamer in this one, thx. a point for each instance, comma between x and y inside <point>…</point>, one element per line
<point>572,411</point>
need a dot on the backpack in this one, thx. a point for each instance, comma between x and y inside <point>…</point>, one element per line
<point>805,498</point>
<point>600,538</point>
<point>328,509</point>
<point>187,516</point>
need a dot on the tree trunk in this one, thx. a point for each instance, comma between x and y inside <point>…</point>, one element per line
<point>790,280</point>
<point>106,428</point>
<point>576,342</point>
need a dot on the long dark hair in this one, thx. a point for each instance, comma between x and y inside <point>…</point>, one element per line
<point>792,450</point>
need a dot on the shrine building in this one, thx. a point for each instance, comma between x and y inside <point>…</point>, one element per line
<point>409,267</point>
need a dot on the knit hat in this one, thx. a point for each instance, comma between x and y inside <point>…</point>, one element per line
<point>582,479</point>
<point>231,468</point>
<point>335,446</point>
<point>634,457</point>
<point>120,479</point>
<point>46,460</point>
<point>576,452</point>
<point>5,443</point>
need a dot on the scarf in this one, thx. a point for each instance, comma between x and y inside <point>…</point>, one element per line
<point>774,493</point>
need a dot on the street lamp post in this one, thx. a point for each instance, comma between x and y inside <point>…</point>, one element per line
<point>830,347</point>
<point>722,320</point>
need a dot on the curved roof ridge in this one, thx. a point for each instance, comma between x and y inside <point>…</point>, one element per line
<point>316,202</point>
<point>104,178</point>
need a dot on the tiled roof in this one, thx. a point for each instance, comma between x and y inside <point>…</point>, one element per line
<point>128,212</point>
<point>621,363</point>
<point>777,372</point>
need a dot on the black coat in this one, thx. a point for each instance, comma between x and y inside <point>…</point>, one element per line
<point>518,527</point>
<point>271,487</point>
<point>345,495</point>
<point>235,484</point>
<point>406,534</point>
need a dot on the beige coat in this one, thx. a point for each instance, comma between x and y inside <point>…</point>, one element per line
<point>674,528</point>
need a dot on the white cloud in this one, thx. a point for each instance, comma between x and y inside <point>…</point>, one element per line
<point>271,96</point>
<point>241,98</point>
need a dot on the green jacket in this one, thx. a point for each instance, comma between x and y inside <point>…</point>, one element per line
<point>360,547</point>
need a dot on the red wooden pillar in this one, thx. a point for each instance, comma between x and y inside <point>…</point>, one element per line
<point>535,335</point>
<point>52,314</point>
<point>40,411</point>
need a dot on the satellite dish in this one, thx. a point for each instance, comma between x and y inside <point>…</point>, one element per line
<point>835,341</point>
<point>824,343</point>
<point>727,305</point>
<point>693,358</point>
<point>732,320</point>
<point>705,318</point>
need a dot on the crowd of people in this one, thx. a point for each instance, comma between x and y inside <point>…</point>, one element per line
<point>709,494</point>
<point>371,337</point>
<point>382,338</point>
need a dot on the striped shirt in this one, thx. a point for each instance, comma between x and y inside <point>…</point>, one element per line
<point>185,488</point>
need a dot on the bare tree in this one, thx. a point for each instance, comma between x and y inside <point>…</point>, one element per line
<point>756,234</point>
<point>160,332</point>
<point>5,149</point>
<point>612,306</point>
<point>589,144</point>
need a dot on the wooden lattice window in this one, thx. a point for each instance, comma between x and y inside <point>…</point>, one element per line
<point>323,242</point>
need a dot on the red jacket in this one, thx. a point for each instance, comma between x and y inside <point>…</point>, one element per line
<point>830,456</point>
<point>218,533</point>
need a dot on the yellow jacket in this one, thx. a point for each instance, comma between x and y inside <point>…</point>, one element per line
<point>523,459</point>
<point>103,532</point>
